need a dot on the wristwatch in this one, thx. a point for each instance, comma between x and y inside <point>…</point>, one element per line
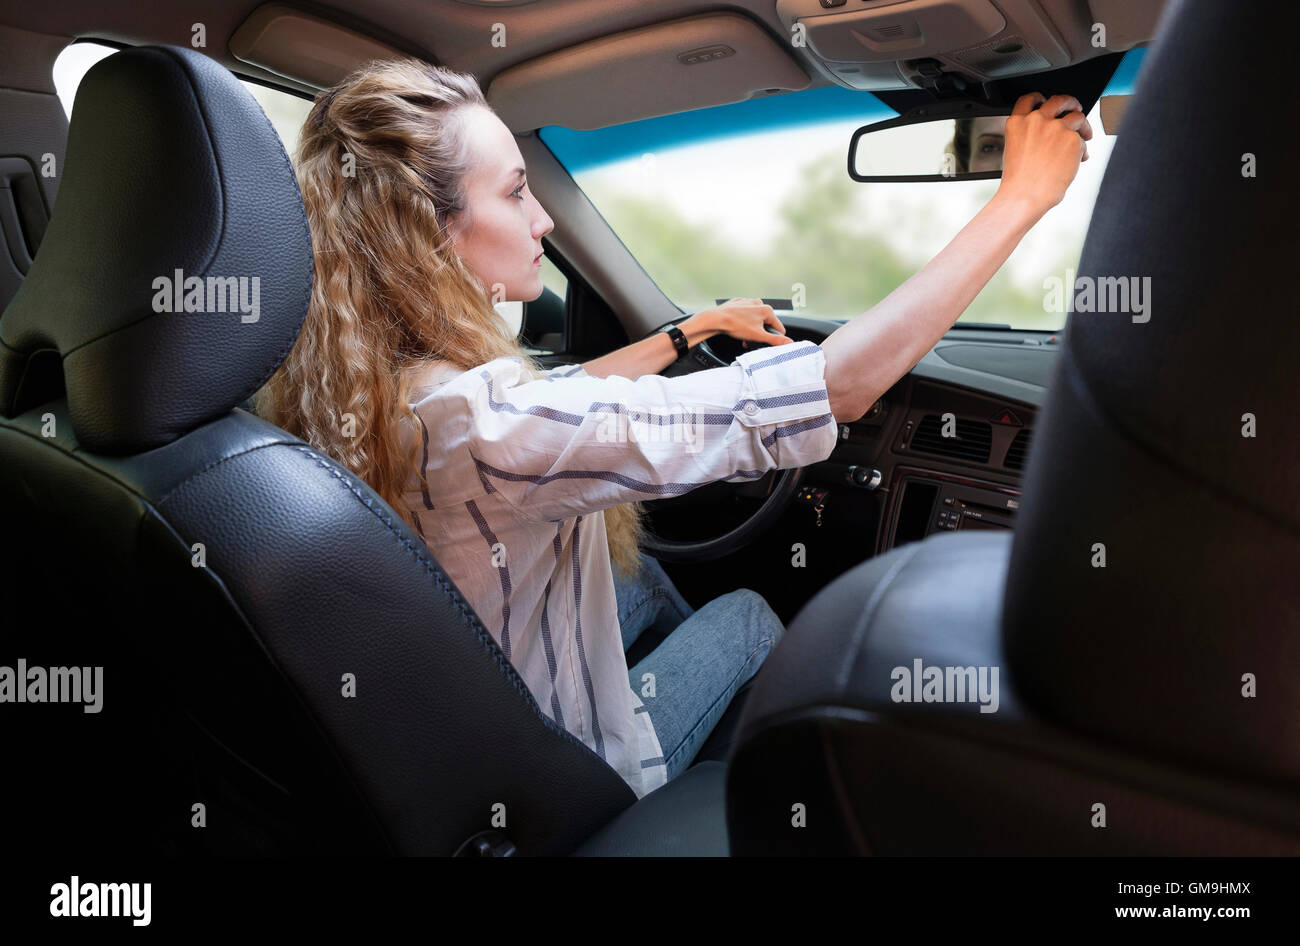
<point>679,339</point>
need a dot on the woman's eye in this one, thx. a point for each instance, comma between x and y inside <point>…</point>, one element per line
<point>516,191</point>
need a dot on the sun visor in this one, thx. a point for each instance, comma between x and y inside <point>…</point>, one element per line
<point>1112,112</point>
<point>696,62</point>
<point>1126,23</point>
<point>302,47</point>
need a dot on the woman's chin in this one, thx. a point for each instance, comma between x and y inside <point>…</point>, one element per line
<point>534,289</point>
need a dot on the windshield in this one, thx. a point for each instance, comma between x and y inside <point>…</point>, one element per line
<point>754,199</point>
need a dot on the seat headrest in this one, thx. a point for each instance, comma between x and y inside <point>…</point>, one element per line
<point>177,267</point>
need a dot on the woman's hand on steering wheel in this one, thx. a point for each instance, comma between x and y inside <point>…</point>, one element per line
<point>749,320</point>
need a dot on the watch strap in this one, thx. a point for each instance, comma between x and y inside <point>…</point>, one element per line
<point>679,340</point>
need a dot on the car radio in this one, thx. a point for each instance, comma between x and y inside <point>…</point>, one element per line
<point>930,502</point>
<point>956,511</point>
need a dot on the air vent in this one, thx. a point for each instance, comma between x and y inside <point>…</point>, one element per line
<point>971,443</point>
<point>894,31</point>
<point>1016,452</point>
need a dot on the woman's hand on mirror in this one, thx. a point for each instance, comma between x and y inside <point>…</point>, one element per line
<point>1046,139</point>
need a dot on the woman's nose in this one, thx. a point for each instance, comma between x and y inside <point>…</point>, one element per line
<point>542,223</point>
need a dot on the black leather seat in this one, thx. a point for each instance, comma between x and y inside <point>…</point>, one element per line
<point>234,584</point>
<point>1121,686</point>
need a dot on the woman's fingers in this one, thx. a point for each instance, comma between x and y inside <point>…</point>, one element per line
<point>1058,105</point>
<point>753,321</point>
<point>1069,113</point>
<point>781,339</point>
<point>1077,121</point>
<point>1028,102</point>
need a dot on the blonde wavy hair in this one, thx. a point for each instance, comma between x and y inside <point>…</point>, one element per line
<point>381,165</point>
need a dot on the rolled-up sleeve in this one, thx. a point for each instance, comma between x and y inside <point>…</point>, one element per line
<point>568,445</point>
<point>566,371</point>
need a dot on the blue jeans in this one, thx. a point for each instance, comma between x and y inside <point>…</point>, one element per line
<point>708,655</point>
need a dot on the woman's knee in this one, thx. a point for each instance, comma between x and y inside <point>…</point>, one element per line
<point>761,627</point>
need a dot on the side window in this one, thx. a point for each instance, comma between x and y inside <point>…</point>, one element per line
<point>543,318</point>
<point>287,112</point>
<point>543,325</point>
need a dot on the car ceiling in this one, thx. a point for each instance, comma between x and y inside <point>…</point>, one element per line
<point>458,34</point>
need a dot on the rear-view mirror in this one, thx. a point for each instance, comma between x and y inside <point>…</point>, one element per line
<point>918,147</point>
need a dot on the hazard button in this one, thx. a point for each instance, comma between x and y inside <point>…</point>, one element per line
<point>1005,416</point>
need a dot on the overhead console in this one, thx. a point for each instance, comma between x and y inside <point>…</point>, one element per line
<point>902,44</point>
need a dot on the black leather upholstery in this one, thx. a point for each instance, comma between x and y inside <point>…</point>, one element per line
<point>684,818</point>
<point>876,776</point>
<point>1119,686</point>
<point>1140,444</point>
<point>224,684</point>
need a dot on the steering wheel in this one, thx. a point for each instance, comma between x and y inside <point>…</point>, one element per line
<point>776,488</point>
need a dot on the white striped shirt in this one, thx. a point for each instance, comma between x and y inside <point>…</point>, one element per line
<point>517,472</point>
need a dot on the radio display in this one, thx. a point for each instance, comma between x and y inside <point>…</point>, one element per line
<point>968,523</point>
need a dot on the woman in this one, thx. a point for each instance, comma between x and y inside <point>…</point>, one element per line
<point>522,481</point>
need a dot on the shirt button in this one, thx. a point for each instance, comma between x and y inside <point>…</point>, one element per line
<point>751,408</point>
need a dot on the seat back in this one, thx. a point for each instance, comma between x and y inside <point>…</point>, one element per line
<point>1119,721</point>
<point>285,667</point>
<point>1151,596</point>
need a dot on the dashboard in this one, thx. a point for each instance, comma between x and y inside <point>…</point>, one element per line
<point>944,448</point>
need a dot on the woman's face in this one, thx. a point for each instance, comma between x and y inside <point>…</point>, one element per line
<point>499,235</point>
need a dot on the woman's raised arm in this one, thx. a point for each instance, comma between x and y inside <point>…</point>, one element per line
<point>868,355</point>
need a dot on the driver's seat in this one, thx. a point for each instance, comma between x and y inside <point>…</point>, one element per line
<point>285,668</point>
<point>1150,706</point>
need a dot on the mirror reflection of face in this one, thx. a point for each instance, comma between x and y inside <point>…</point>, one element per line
<point>946,147</point>
<point>987,137</point>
